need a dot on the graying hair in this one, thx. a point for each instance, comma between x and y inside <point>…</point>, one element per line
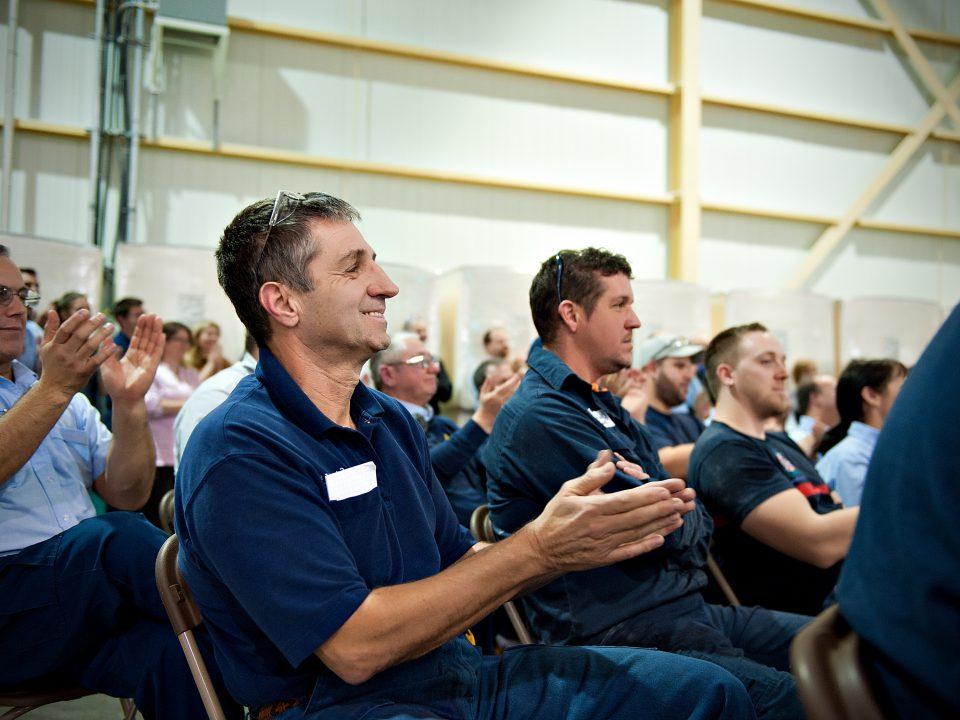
<point>390,354</point>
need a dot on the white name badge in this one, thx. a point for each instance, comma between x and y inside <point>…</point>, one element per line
<point>352,481</point>
<point>601,417</point>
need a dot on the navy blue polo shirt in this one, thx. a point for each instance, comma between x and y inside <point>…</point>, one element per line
<point>733,473</point>
<point>546,434</point>
<point>284,531</point>
<point>671,429</point>
<point>454,454</point>
<point>900,586</point>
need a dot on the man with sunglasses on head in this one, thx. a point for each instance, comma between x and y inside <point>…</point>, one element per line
<point>407,372</point>
<point>80,604</point>
<point>582,307</point>
<point>327,563</point>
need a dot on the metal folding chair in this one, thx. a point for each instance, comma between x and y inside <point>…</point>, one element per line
<point>482,529</point>
<point>185,617</point>
<point>831,680</point>
<point>165,512</point>
<point>721,580</point>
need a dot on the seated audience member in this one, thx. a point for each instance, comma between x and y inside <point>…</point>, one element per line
<point>347,584</point>
<point>205,354</point>
<point>65,306</point>
<point>126,311</point>
<point>582,306</point>
<point>209,395</point>
<point>817,413</point>
<point>630,385</point>
<point>407,372</point>
<point>444,391</point>
<point>865,393</point>
<point>900,586</point>
<point>668,360</point>
<point>30,358</point>
<point>780,537</point>
<point>496,346</point>
<point>79,598</point>
<point>172,385</point>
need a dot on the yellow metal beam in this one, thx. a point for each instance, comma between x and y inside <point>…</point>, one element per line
<point>686,119</point>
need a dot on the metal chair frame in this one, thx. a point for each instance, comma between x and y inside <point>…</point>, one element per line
<point>25,699</point>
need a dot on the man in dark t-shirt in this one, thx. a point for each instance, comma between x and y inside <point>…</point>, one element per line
<point>667,358</point>
<point>780,536</point>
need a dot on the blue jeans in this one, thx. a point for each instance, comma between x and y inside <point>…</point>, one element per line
<point>752,643</point>
<point>553,683</point>
<point>83,607</point>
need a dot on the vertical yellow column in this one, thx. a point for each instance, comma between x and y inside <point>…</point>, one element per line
<point>683,251</point>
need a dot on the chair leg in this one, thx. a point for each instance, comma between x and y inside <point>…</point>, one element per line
<point>129,709</point>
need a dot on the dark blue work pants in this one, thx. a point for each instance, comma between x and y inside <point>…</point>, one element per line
<point>552,683</point>
<point>83,607</point>
<point>752,643</point>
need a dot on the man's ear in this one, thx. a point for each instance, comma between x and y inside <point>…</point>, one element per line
<point>387,375</point>
<point>280,304</point>
<point>571,315</point>
<point>725,373</point>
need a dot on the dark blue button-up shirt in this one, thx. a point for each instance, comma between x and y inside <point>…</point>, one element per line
<point>282,537</point>
<point>547,433</point>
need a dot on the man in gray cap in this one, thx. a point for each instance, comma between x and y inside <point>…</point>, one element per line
<point>667,359</point>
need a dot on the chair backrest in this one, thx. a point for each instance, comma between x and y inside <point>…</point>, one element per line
<point>165,512</point>
<point>481,527</point>
<point>185,617</point>
<point>831,680</point>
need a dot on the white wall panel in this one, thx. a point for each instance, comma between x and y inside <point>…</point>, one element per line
<point>780,163</point>
<point>607,38</point>
<point>803,322</point>
<point>872,263</point>
<point>887,328</point>
<point>61,268</point>
<point>772,58</point>
<point>418,297</point>
<point>179,284</point>
<point>671,307</point>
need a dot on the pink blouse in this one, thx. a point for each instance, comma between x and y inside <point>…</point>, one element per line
<point>169,384</point>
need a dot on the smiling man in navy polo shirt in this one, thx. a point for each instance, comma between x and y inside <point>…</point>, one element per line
<point>329,567</point>
<point>582,307</point>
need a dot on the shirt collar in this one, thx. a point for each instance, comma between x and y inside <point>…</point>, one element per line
<point>298,408</point>
<point>23,377</point>
<point>418,411</point>
<point>249,362</point>
<point>863,432</point>
<point>551,368</point>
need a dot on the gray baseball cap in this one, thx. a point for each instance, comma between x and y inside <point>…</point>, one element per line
<point>659,347</point>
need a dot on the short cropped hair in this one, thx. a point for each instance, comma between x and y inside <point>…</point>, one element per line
<point>390,354</point>
<point>5,251</point>
<point>804,393</point>
<point>285,257</point>
<point>172,327</point>
<point>124,305</point>
<point>484,369</point>
<point>29,271</point>
<point>725,349</point>
<point>579,282</point>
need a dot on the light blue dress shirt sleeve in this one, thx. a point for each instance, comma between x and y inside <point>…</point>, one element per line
<point>844,468</point>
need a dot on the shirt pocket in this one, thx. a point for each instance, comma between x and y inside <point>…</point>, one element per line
<point>364,529</point>
<point>72,446</point>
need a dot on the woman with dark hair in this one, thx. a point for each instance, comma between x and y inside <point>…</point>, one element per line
<point>865,393</point>
<point>172,385</point>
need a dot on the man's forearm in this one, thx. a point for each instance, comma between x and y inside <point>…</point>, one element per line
<point>26,424</point>
<point>402,622</point>
<point>836,534</point>
<point>131,459</point>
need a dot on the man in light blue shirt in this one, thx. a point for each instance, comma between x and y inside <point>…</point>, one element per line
<point>79,598</point>
<point>865,394</point>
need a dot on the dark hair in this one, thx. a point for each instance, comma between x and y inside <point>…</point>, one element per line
<point>173,327</point>
<point>725,348</point>
<point>483,369</point>
<point>285,257</point>
<point>579,283</point>
<point>27,270</point>
<point>487,336</point>
<point>249,344</point>
<point>856,376</point>
<point>804,393</point>
<point>63,303</point>
<point>124,305</point>
<point>4,251</point>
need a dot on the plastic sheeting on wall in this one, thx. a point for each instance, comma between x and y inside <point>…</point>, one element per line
<point>803,322</point>
<point>666,306</point>
<point>887,328</point>
<point>61,267</point>
<point>179,284</point>
<point>473,300</point>
<point>417,298</point>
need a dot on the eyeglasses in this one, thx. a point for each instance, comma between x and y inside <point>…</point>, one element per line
<point>283,207</point>
<point>424,361</point>
<point>29,298</point>
<point>559,271</point>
